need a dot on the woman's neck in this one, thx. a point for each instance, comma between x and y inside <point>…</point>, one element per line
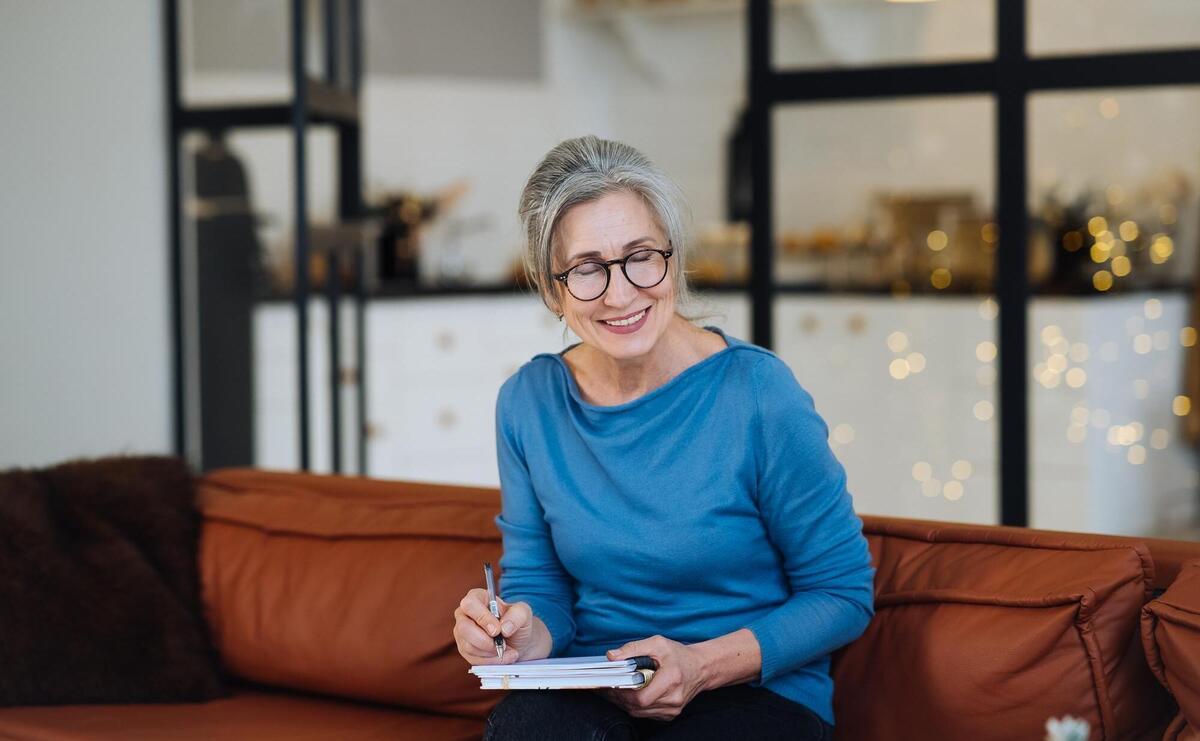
<point>609,381</point>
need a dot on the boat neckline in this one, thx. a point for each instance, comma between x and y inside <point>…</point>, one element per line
<point>577,395</point>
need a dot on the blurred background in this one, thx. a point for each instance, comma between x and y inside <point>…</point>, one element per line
<point>250,251</point>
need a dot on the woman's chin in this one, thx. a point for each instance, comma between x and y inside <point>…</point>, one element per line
<point>625,346</point>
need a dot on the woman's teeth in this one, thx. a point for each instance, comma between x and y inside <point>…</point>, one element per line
<point>626,322</point>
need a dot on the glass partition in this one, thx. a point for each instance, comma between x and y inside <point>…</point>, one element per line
<point>837,33</point>
<point>1115,206</point>
<point>884,250</point>
<point>1104,26</point>
<point>886,196</point>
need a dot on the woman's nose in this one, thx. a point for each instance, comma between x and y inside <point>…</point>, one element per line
<point>620,291</point>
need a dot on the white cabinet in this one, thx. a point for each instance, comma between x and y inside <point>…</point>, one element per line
<point>275,382</point>
<point>435,367</point>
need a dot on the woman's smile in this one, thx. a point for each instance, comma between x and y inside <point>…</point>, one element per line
<point>627,324</point>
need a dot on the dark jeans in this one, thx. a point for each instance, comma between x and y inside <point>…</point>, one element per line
<point>735,712</point>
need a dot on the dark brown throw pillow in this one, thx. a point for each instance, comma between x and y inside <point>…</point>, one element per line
<point>99,591</point>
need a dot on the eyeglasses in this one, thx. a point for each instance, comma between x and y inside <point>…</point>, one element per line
<point>588,280</point>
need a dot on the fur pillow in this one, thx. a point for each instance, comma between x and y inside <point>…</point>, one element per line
<point>99,591</point>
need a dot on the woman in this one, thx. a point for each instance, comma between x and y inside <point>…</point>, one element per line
<point>667,490</point>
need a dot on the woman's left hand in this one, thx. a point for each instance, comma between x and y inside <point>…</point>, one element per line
<point>678,678</point>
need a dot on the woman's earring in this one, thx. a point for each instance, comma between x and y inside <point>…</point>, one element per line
<point>560,316</point>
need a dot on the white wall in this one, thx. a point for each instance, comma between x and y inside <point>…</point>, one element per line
<point>84,329</point>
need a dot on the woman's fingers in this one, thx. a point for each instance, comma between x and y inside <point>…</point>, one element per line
<point>475,628</point>
<point>616,697</point>
<point>514,617</point>
<point>654,647</point>
<point>474,605</point>
<point>662,698</point>
<point>469,632</point>
<point>477,646</point>
<point>630,702</point>
<point>470,635</point>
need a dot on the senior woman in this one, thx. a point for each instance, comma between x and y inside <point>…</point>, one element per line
<point>667,490</point>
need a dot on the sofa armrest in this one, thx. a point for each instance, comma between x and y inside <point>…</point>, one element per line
<point>1171,639</point>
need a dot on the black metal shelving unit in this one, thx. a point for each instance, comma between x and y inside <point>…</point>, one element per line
<point>1009,77</point>
<point>332,101</point>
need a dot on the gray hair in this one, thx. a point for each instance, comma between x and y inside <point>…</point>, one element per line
<point>586,169</point>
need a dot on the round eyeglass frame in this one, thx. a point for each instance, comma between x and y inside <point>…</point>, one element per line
<point>607,265</point>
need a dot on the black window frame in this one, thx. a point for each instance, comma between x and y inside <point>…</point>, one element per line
<point>1009,77</point>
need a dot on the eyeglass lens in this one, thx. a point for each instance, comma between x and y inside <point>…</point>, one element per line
<point>644,269</point>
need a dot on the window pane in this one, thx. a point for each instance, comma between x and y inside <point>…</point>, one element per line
<point>1097,26</point>
<point>886,195</point>
<point>907,387</point>
<point>1114,177</point>
<point>894,197</point>
<point>836,33</point>
<point>1113,191</point>
<point>1108,445</point>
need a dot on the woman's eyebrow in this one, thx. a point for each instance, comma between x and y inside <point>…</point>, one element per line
<point>626,248</point>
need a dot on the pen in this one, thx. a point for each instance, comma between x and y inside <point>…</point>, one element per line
<point>491,587</point>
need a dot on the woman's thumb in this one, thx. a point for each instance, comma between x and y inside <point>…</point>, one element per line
<point>624,651</point>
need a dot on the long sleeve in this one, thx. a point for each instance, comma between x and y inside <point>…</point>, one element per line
<point>810,519</point>
<point>531,570</point>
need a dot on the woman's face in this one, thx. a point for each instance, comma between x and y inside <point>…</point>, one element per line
<point>611,227</point>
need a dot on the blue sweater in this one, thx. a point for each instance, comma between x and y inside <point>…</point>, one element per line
<point>710,504</point>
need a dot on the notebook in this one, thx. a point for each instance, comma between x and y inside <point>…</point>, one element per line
<point>578,672</point>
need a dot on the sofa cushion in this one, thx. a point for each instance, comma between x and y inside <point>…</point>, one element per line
<point>248,714</point>
<point>985,633</point>
<point>346,586</point>
<point>1171,637</point>
<point>99,595</point>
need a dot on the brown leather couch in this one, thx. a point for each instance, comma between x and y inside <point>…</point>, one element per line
<point>330,600</point>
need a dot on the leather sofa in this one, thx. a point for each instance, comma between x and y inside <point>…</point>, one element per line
<point>330,601</point>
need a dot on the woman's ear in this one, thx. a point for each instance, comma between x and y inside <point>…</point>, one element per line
<point>555,302</point>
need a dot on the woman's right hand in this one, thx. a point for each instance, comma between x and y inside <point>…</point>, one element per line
<point>526,637</point>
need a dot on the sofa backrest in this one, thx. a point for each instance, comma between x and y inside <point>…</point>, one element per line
<point>1168,556</point>
<point>345,586</point>
<point>986,632</point>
